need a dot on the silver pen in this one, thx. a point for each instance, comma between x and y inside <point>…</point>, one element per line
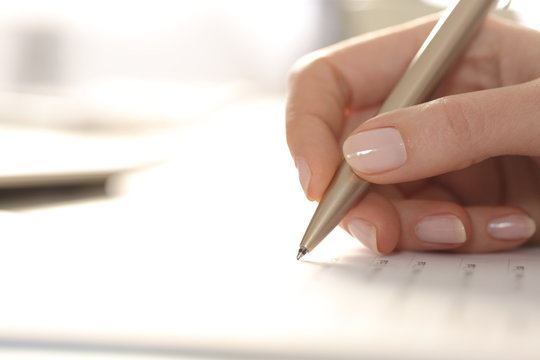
<point>439,52</point>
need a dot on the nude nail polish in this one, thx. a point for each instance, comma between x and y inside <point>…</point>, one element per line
<point>375,151</point>
<point>364,232</point>
<point>511,227</point>
<point>304,174</point>
<point>441,229</point>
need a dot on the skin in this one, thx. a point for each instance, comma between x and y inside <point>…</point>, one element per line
<point>472,153</point>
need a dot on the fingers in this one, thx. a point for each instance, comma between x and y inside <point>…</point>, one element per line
<point>497,229</point>
<point>445,135</point>
<point>434,225</point>
<point>383,225</point>
<point>315,110</point>
<point>327,85</point>
<point>373,222</point>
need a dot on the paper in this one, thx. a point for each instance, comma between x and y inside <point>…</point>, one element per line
<point>197,259</point>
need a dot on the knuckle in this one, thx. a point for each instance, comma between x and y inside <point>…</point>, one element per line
<point>306,67</point>
<point>463,120</point>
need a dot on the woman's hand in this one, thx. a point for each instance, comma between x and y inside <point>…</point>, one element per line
<point>463,168</point>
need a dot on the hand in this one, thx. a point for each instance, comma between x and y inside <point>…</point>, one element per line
<point>462,171</point>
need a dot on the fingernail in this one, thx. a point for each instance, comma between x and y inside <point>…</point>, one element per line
<point>511,227</point>
<point>375,151</point>
<point>441,229</point>
<point>303,173</point>
<point>365,232</point>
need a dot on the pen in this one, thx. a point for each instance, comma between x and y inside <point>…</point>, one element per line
<point>437,54</point>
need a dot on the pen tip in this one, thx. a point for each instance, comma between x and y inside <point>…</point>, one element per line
<point>301,252</point>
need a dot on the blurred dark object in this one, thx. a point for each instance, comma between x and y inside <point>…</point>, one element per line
<point>41,196</point>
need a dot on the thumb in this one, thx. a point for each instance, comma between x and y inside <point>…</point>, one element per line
<point>447,134</point>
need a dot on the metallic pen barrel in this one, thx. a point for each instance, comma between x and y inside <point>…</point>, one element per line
<point>438,53</point>
<point>338,200</point>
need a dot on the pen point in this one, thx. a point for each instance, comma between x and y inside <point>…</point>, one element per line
<point>301,252</point>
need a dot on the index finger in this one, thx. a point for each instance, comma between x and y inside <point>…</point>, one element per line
<point>325,87</point>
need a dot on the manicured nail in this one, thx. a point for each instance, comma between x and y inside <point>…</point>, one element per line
<point>441,229</point>
<point>365,232</point>
<point>511,227</point>
<point>375,151</point>
<point>303,173</point>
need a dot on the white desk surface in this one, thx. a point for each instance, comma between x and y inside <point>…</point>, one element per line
<point>196,259</point>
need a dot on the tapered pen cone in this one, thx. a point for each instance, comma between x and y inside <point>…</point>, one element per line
<point>344,192</point>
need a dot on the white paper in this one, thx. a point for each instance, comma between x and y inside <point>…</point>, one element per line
<point>197,258</point>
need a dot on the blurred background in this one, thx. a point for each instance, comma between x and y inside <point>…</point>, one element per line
<point>133,72</point>
<point>132,64</point>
